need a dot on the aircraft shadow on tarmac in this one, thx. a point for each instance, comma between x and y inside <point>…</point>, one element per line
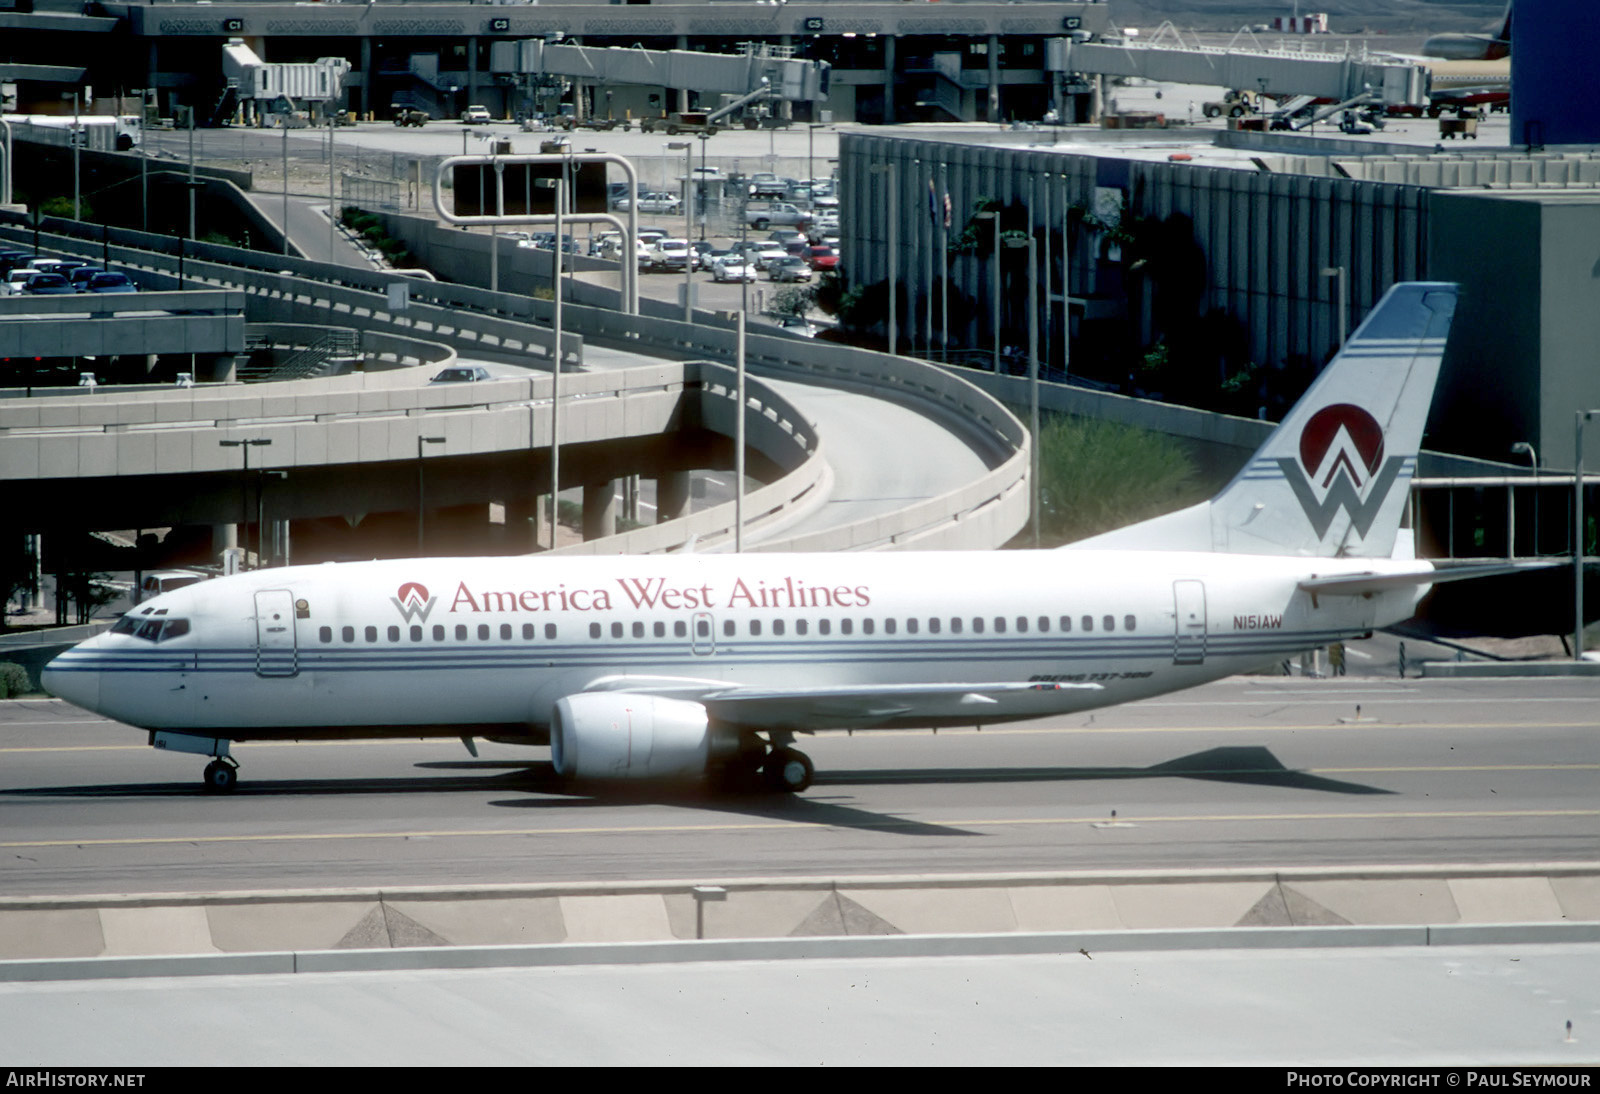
<point>1237,764</point>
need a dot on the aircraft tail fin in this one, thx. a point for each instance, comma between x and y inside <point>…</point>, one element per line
<point>1332,479</point>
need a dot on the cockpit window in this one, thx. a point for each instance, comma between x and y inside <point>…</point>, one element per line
<point>151,629</point>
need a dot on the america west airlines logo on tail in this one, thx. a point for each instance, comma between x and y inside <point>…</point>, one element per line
<point>413,602</point>
<point>1341,466</point>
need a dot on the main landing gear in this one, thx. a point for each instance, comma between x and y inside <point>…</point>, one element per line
<point>780,768</point>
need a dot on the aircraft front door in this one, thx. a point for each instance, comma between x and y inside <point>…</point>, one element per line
<point>703,637</point>
<point>1189,644</point>
<point>275,645</point>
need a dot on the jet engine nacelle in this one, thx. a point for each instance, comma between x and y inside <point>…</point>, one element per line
<point>621,735</point>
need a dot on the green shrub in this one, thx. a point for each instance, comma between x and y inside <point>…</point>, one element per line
<point>1096,476</point>
<point>13,680</point>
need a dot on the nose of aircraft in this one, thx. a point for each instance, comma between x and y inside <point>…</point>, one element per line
<point>69,677</point>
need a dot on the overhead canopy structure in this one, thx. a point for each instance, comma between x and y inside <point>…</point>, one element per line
<point>789,78</point>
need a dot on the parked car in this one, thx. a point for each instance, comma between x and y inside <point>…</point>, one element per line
<point>732,268</point>
<point>47,284</point>
<point>476,115</point>
<point>461,374</point>
<point>797,325</point>
<point>80,276</point>
<point>788,268</point>
<point>669,255</point>
<point>820,257</point>
<point>15,280</point>
<point>767,254</point>
<point>762,215</point>
<point>110,281</point>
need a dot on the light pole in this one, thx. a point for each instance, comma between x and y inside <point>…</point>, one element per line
<point>331,211</point>
<point>559,185</point>
<point>1338,271</point>
<point>894,245</point>
<point>1580,418</point>
<point>1033,368</point>
<point>244,484</point>
<point>421,502</point>
<point>993,215</point>
<point>687,148</point>
<point>283,120</point>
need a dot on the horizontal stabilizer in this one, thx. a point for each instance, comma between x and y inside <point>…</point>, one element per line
<point>1368,584</point>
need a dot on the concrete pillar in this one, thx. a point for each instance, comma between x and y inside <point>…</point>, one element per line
<point>888,80</point>
<point>672,496</point>
<point>522,515</point>
<point>994,78</point>
<point>599,509</point>
<point>223,536</point>
<point>683,92</point>
<point>630,499</point>
<point>472,69</point>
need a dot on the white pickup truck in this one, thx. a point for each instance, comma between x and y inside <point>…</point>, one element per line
<point>762,215</point>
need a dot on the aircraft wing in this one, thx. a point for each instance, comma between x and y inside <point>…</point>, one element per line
<point>859,706</point>
<point>1434,573</point>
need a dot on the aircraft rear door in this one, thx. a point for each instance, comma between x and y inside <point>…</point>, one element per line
<point>1189,644</point>
<point>275,645</point>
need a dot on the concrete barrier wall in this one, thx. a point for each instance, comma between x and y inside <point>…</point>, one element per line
<point>1237,907</point>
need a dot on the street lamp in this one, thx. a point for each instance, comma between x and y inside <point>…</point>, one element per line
<point>1579,419</point>
<point>1338,271</point>
<point>994,216</point>
<point>421,504</point>
<point>894,244</point>
<point>558,184</point>
<point>244,483</point>
<point>1032,244</point>
<point>687,148</point>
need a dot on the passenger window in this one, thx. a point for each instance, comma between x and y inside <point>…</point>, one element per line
<point>847,626</point>
<point>550,630</point>
<point>372,634</point>
<point>461,632</point>
<point>483,632</point>
<point>1127,623</point>
<point>594,630</point>
<point>911,625</point>
<point>977,625</point>
<point>727,628</point>
<point>1044,624</point>
<point>1109,623</point>
<point>416,634</point>
<point>528,632</point>
<point>799,626</point>
<point>888,626</point>
<point>1088,623</point>
<point>955,625</point>
<point>505,631</point>
<point>438,633</point>
<point>680,629</point>
<point>1066,624</point>
<point>933,625</point>
<point>638,630</point>
<point>660,629</point>
<point>824,627</point>
<point>1022,624</point>
<point>394,634</point>
<point>616,630</point>
<point>702,628</point>
<point>755,628</point>
<point>324,634</point>
<point>347,634</point>
<point>777,627</point>
<point>999,625</point>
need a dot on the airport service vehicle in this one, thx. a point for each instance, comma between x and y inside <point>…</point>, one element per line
<point>415,119</point>
<point>476,115</point>
<point>688,666</point>
<point>688,121</point>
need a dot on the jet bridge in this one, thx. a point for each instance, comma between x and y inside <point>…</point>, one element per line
<point>787,78</point>
<point>1269,71</point>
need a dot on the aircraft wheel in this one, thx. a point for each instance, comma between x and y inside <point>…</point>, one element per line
<point>789,770</point>
<point>220,778</point>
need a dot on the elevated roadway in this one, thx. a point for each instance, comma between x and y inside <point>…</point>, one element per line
<point>963,485</point>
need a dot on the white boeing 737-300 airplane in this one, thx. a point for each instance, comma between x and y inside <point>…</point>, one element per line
<point>635,667</point>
